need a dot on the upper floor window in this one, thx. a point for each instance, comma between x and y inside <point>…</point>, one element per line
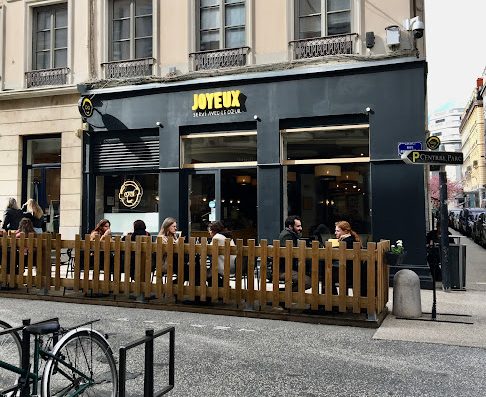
<point>320,18</point>
<point>50,37</point>
<point>221,24</point>
<point>131,29</point>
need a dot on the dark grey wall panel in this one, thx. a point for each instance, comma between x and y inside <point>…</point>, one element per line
<point>269,202</point>
<point>398,203</point>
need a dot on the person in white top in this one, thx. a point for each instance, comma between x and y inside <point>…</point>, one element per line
<point>219,234</point>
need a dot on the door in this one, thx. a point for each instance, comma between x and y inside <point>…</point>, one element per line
<point>204,201</point>
<point>229,195</point>
<point>44,186</point>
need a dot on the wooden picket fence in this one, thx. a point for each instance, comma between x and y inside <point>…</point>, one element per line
<point>181,271</point>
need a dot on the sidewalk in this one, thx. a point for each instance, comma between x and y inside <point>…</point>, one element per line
<point>470,305</point>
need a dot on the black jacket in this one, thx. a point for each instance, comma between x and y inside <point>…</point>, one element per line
<point>11,219</point>
<point>287,234</point>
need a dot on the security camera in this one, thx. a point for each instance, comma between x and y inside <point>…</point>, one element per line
<point>418,29</point>
<point>158,123</point>
<point>416,26</point>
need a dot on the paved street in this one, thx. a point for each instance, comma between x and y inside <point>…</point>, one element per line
<point>231,356</point>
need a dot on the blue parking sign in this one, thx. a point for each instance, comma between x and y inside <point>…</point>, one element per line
<point>404,146</point>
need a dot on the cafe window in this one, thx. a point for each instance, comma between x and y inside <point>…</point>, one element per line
<point>217,149</point>
<point>327,177</point>
<point>124,198</point>
<point>322,143</point>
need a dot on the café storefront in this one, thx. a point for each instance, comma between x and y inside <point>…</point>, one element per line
<point>250,149</point>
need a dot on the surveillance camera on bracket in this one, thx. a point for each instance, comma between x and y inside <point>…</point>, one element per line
<point>416,26</point>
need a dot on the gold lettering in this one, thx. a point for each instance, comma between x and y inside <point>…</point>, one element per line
<point>195,106</point>
<point>236,99</point>
<point>217,100</point>
<point>209,98</point>
<point>227,99</point>
<point>202,101</point>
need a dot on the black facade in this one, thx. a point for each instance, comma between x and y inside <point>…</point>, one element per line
<point>387,95</point>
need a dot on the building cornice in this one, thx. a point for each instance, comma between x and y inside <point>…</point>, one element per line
<point>262,72</point>
<point>37,92</point>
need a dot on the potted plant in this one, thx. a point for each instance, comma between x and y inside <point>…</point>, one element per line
<point>397,252</point>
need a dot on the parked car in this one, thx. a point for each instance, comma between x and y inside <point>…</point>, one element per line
<point>467,218</point>
<point>479,229</point>
<point>454,217</point>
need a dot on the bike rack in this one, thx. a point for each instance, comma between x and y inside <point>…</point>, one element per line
<point>148,382</point>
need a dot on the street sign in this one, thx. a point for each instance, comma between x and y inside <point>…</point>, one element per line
<point>404,146</point>
<point>422,157</point>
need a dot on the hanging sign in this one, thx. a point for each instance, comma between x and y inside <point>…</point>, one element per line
<point>218,103</point>
<point>131,193</point>
<point>85,107</point>
<point>433,142</point>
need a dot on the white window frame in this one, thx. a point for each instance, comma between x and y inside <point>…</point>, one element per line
<point>357,24</point>
<point>196,34</point>
<point>52,48</point>
<point>29,16</point>
<point>105,28</point>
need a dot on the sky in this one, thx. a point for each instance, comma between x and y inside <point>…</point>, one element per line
<point>455,50</point>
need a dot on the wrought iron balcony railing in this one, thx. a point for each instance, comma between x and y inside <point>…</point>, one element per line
<point>38,78</point>
<point>219,59</point>
<point>129,68</point>
<point>322,46</point>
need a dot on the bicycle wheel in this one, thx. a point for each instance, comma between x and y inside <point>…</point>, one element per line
<point>90,354</point>
<point>11,353</point>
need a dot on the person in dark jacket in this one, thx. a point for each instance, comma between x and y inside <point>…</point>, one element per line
<point>293,232</point>
<point>12,215</point>
<point>139,229</point>
<point>33,211</point>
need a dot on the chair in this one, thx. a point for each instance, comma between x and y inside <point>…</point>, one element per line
<point>69,262</point>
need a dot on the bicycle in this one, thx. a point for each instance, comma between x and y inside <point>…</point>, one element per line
<point>78,361</point>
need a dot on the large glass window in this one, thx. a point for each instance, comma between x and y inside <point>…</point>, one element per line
<point>230,147</point>
<point>124,198</point>
<point>42,162</point>
<point>50,37</point>
<point>326,169</point>
<point>347,141</point>
<point>325,194</point>
<point>131,29</point>
<point>221,24</point>
<point>317,18</point>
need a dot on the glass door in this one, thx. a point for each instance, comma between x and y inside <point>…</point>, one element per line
<point>204,202</point>
<point>228,195</point>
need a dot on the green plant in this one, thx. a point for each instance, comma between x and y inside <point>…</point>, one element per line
<point>397,248</point>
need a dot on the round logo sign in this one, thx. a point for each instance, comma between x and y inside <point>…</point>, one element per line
<point>433,142</point>
<point>131,193</point>
<point>85,107</point>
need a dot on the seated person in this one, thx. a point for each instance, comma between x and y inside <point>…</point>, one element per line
<point>25,226</point>
<point>102,230</point>
<point>139,229</point>
<point>344,233</point>
<point>219,233</point>
<point>169,229</point>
